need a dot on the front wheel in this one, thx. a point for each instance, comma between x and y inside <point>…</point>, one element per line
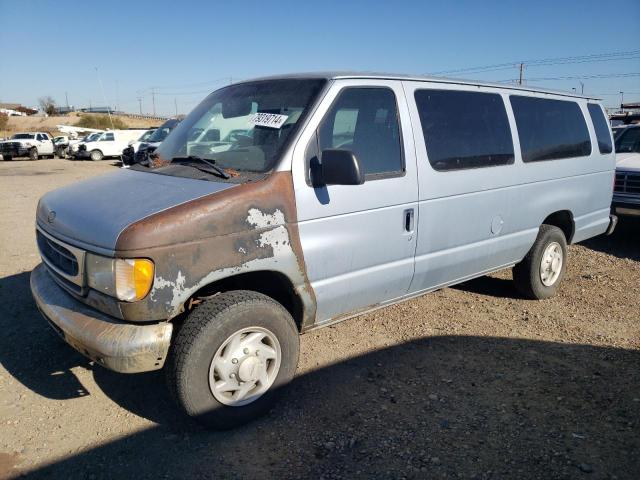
<point>96,155</point>
<point>539,274</point>
<point>7,158</point>
<point>232,357</point>
<point>33,153</point>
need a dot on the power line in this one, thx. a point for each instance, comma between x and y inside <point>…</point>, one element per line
<point>576,77</point>
<point>600,57</point>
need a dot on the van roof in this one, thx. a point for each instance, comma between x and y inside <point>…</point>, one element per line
<point>335,75</point>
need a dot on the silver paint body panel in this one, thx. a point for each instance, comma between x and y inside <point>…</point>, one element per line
<point>94,212</point>
<point>467,222</point>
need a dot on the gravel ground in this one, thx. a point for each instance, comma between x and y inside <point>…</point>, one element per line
<point>466,382</point>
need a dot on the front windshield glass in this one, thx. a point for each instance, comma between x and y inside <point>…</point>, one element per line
<point>628,141</point>
<point>161,133</point>
<point>242,127</point>
<point>146,135</point>
<point>23,136</point>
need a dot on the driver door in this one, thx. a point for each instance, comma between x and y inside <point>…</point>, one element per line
<point>359,240</point>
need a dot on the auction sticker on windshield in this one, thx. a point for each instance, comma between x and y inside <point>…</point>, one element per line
<point>272,120</point>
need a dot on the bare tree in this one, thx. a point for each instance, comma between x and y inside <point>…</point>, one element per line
<point>48,105</point>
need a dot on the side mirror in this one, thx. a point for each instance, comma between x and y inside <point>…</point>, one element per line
<point>341,167</point>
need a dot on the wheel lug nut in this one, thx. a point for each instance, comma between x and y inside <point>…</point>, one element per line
<point>233,375</point>
<point>246,351</point>
<point>235,360</point>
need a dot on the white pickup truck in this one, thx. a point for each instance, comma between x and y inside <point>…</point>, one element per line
<point>109,144</point>
<point>34,145</point>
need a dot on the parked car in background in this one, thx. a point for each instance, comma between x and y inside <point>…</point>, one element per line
<point>74,145</point>
<point>130,157</point>
<point>60,145</point>
<point>344,194</point>
<point>129,152</point>
<point>626,192</point>
<point>617,130</point>
<point>34,145</point>
<point>109,144</point>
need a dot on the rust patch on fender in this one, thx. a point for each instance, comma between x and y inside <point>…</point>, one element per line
<point>249,227</point>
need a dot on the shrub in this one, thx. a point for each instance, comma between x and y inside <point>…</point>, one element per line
<point>101,122</point>
<point>4,119</point>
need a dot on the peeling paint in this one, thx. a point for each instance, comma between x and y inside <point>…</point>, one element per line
<point>276,239</point>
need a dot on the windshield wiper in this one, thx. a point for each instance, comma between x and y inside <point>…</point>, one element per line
<point>211,163</point>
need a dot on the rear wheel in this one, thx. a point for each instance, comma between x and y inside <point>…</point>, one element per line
<point>539,274</point>
<point>33,153</point>
<point>96,155</point>
<point>231,358</point>
<point>7,158</point>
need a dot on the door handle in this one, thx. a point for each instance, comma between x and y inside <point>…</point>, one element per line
<point>408,220</point>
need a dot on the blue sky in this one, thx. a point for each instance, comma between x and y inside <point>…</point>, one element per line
<point>188,48</point>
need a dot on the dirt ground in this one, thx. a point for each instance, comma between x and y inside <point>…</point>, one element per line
<point>467,382</point>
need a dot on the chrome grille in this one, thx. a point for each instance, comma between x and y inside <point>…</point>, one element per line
<point>627,183</point>
<point>57,255</point>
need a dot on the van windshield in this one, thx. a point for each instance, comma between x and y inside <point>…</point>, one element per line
<point>628,141</point>
<point>242,127</point>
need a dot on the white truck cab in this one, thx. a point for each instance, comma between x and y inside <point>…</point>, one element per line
<point>109,144</point>
<point>34,145</point>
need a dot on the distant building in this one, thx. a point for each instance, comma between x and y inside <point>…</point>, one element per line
<point>98,110</point>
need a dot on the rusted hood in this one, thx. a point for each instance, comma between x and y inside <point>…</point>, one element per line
<point>96,211</point>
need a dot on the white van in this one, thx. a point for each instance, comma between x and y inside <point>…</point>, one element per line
<point>110,144</point>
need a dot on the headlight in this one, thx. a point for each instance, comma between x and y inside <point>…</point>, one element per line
<point>127,279</point>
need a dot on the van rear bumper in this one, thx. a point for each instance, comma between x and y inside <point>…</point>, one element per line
<point>114,344</point>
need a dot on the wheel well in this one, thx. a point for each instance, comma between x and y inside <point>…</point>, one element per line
<point>562,219</point>
<point>272,284</point>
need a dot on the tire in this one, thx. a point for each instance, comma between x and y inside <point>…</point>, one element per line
<point>208,334</point>
<point>536,280</point>
<point>7,158</point>
<point>33,153</point>
<point>95,155</point>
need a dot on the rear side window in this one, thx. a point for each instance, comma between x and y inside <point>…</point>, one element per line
<point>464,129</point>
<point>365,121</point>
<point>550,129</point>
<point>601,127</point>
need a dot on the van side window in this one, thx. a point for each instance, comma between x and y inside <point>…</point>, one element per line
<point>601,126</point>
<point>365,121</point>
<point>108,137</point>
<point>550,129</point>
<point>464,129</point>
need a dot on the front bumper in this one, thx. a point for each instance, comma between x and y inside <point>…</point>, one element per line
<point>14,151</point>
<point>626,205</point>
<point>116,345</point>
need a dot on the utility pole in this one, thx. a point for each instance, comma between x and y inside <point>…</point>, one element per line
<point>153,100</point>
<point>66,98</point>
<point>581,88</point>
<point>175,102</point>
<point>140,104</point>
<point>622,102</point>
<point>521,72</point>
